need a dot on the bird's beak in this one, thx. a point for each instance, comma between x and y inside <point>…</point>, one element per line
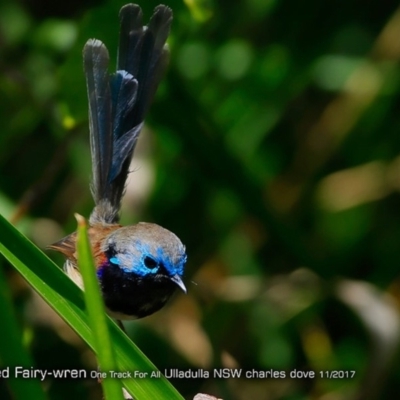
<point>177,279</point>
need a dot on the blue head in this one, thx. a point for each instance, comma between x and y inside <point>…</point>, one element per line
<point>144,265</point>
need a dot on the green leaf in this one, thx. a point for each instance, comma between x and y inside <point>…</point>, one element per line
<point>96,313</point>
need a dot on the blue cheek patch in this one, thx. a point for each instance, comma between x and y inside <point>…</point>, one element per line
<point>100,269</point>
<point>139,268</point>
<point>142,270</point>
<point>181,264</point>
<point>172,269</point>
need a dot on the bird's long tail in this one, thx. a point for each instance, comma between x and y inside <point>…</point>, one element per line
<point>118,102</point>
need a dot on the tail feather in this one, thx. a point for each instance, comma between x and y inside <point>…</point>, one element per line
<point>142,52</point>
<point>124,89</point>
<point>130,38</point>
<point>118,102</point>
<point>95,62</point>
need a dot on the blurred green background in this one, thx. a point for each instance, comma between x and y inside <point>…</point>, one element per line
<point>272,150</point>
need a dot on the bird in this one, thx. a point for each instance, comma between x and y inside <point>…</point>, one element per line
<point>139,266</point>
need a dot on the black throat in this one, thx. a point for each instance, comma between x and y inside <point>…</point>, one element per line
<point>133,295</point>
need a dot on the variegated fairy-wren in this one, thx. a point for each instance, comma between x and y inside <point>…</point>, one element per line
<point>139,266</point>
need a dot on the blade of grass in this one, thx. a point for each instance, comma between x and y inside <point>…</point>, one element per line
<point>12,351</point>
<point>96,313</point>
<point>67,300</point>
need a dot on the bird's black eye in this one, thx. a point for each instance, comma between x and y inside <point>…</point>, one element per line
<point>150,262</point>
